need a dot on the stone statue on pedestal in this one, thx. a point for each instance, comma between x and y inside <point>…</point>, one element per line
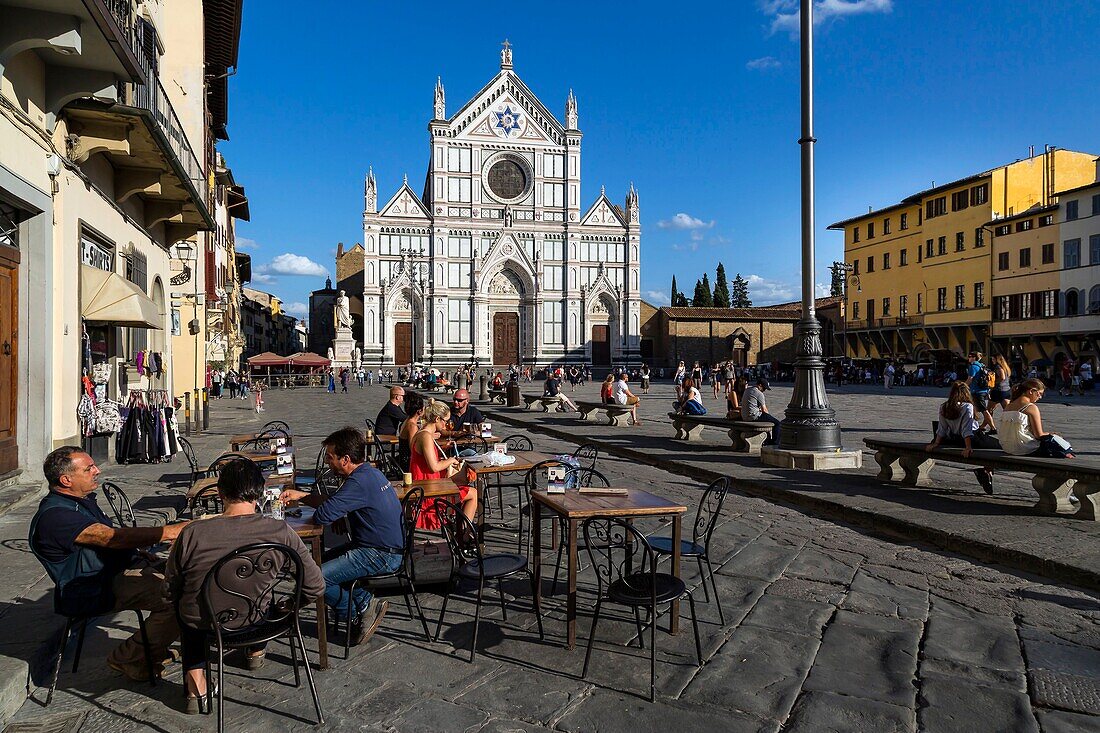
<point>343,310</point>
<point>331,354</point>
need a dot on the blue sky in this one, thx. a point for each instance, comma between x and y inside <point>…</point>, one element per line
<point>697,105</point>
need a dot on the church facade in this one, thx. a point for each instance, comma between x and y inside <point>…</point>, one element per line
<point>495,260</point>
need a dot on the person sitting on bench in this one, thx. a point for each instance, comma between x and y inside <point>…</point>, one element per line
<point>958,428</point>
<point>1021,428</point>
<point>691,403</point>
<point>552,388</point>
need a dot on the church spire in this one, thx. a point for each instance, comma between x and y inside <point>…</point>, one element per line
<point>440,100</point>
<point>506,55</point>
<point>632,204</point>
<point>370,193</point>
<point>571,112</point>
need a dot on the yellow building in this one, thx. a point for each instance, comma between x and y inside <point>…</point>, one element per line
<point>924,265</point>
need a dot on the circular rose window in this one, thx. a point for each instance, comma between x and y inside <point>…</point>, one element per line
<point>507,179</point>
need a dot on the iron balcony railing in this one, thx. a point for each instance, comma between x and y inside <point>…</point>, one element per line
<point>123,13</point>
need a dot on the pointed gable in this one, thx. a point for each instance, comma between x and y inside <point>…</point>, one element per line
<point>506,108</point>
<point>603,213</point>
<point>406,204</point>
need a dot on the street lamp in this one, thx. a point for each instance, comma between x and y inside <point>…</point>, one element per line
<point>810,423</point>
<point>846,271</point>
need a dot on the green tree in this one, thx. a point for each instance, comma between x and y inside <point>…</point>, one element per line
<point>673,298</point>
<point>682,301</point>
<point>721,288</point>
<point>739,293</point>
<point>836,287</point>
<point>701,295</point>
<point>708,299</point>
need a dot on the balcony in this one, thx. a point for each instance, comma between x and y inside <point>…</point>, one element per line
<point>887,322</point>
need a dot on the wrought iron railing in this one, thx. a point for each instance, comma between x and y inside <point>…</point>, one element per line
<point>123,13</point>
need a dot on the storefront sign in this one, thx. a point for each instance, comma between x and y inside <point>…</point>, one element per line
<point>96,255</point>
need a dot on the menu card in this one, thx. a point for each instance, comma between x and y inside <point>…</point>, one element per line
<point>284,464</point>
<point>486,430</point>
<point>555,480</point>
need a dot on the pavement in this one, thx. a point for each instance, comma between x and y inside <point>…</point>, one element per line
<point>829,626</point>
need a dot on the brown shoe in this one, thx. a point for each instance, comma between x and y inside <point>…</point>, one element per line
<point>136,672</point>
<point>364,628</point>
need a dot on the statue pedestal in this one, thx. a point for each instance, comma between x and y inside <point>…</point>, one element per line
<point>342,347</point>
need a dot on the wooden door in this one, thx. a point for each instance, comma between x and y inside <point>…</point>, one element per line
<point>505,338</point>
<point>601,346</point>
<point>9,357</point>
<point>402,343</point>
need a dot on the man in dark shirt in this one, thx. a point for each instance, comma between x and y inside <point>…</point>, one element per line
<point>375,524</point>
<point>463,414</point>
<point>392,413</point>
<point>552,388</point>
<point>89,560</point>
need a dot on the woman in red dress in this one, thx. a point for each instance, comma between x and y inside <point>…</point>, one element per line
<point>428,462</point>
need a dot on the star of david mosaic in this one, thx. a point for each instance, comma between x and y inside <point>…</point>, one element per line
<point>507,121</point>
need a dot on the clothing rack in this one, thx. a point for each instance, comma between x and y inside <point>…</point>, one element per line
<point>148,398</point>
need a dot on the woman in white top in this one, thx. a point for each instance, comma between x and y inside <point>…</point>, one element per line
<point>1021,427</point>
<point>681,372</point>
<point>958,428</point>
<point>621,394</point>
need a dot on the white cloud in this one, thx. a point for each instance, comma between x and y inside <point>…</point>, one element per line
<point>261,277</point>
<point>765,63</point>
<point>821,290</point>
<point>763,291</point>
<point>689,247</point>
<point>246,243</point>
<point>684,221</point>
<point>786,16</point>
<point>292,264</point>
<point>297,309</point>
<point>657,297</point>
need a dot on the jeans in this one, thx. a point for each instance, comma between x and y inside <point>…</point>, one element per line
<point>358,562</point>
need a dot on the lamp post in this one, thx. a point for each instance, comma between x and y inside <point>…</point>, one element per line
<point>847,273</point>
<point>810,423</point>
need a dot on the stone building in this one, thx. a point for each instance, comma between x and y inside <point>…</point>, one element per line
<point>265,327</point>
<point>494,259</point>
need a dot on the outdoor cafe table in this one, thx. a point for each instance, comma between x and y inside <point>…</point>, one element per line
<point>236,441</point>
<point>314,536</point>
<point>284,480</point>
<point>263,456</point>
<point>573,507</point>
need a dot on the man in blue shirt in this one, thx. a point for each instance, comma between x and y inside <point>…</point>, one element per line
<point>979,390</point>
<point>375,524</point>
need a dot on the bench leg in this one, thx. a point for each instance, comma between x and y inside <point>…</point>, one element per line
<point>751,442</point>
<point>1088,493</point>
<point>889,470</point>
<point>691,432</point>
<point>678,426</point>
<point>1053,494</point>
<point>588,415</point>
<point>917,470</point>
<point>613,418</point>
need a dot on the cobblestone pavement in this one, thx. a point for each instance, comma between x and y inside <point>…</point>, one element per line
<point>827,629</point>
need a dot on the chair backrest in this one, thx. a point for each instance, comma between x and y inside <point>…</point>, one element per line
<point>478,443</point>
<point>268,433</point>
<point>535,478</point>
<point>215,468</point>
<point>586,455</point>
<point>411,504</point>
<point>585,477</point>
<point>276,425</point>
<point>255,587</point>
<point>710,508</point>
<point>119,503</point>
<point>328,482</point>
<point>462,536</point>
<point>619,552</point>
<point>189,454</point>
<point>208,499</point>
<point>370,424</point>
<point>387,464</point>
<point>518,442</point>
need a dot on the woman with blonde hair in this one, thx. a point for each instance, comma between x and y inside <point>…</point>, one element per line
<point>605,389</point>
<point>1001,391</point>
<point>427,462</point>
<point>1021,427</point>
<point>957,427</point>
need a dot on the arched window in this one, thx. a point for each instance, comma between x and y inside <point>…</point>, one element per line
<point>1094,299</point>
<point>368,327</point>
<point>1071,302</point>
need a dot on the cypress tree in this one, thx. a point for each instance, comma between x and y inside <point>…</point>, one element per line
<point>708,299</point>
<point>701,295</point>
<point>721,288</point>
<point>739,294</point>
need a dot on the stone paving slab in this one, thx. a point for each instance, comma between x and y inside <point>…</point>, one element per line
<point>785,659</point>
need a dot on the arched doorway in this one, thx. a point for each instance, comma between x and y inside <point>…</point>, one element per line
<point>507,296</point>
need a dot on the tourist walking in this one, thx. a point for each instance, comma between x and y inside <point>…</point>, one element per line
<point>344,380</point>
<point>331,381</point>
<point>360,377</point>
<point>216,384</point>
<point>678,379</point>
<point>1002,387</point>
<point>645,378</point>
<point>889,375</point>
<point>231,383</point>
<point>980,380</point>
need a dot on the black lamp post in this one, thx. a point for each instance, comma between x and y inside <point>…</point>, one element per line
<point>810,423</point>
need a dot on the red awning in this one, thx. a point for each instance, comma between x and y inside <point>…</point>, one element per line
<point>307,359</point>
<point>267,359</point>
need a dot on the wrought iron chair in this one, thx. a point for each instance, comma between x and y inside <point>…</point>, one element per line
<point>533,480</point>
<point>633,582</point>
<point>119,503</point>
<point>706,518</point>
<point>82,621</point>
<point>192,462</point>
<point>276,425</point>
<point>387,461</point>
<point>309,483</point>
<point>514,442</point>
<point>587,454</point>
<point>574,477</point>
<point>216,466</point>
<point>240,620</point>
<point>404,574</point>
<point>467,561</point>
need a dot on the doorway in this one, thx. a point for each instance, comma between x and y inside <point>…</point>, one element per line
<point>402,343</point>
<point>505,338</point>
<point>601,345</point>
<point>9,355</point>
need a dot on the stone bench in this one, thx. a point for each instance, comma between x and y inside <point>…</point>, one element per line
<point>614,412</point>
<point>530,400</point>
<point>498,395</point>
<point>746,436</point>
<point>1054,479</point>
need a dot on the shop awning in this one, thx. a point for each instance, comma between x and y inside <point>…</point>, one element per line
<point>267,359</point>
<point>110,298</point>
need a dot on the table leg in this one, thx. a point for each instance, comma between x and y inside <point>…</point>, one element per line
<point>674,610</point>
<point>571,605</point>
<point>536,548</point>
<point>322,612</point>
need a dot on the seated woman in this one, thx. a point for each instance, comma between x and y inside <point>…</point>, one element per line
<point>199,547</point>
<point>958,428</point>
<point>497,382</point>
<point>1020,427</point>
<point>733,399</point>
<point>429,462</point>
<point>691,403</point>
<point>414,408</point>
<point>605,389</point>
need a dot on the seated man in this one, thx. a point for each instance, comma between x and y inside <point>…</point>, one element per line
<point>464,414</point>
<point>552,388</point>
<point>89,560</point>
<point>392,413</point>
<point>375,524</point>
<point>754,408</point>
<point>202,544</point>
<point>621,395</point>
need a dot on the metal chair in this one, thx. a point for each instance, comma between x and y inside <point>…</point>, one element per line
<point>238,619</point>
<point>514,443</point>
<point>633,582</point>
<point>574,477</point>
<point>587,454</point>
<point>71,621</point>
<point>467,561</point>
<point>309,483</point>
<point>276,425</point>
<point>533,480</point>
<point>216,466</point>
<point>119,503</point>
<point>404,574</point>
<point>192,462</point>
<point>208,499</point>
<point>706,518</point>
